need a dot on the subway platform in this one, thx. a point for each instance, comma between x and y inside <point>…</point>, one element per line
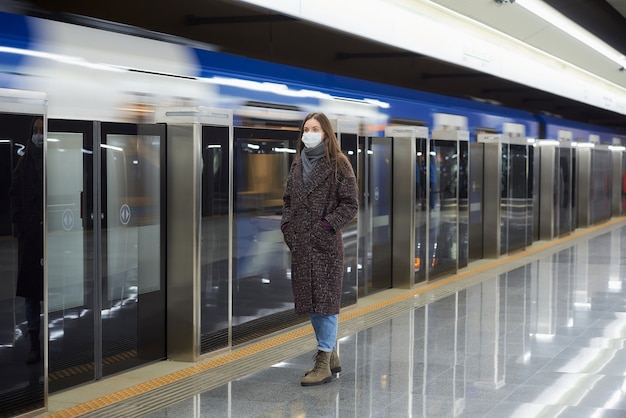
<point>538,333</point>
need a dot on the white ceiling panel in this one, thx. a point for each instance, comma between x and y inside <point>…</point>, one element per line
<point>517,22</point>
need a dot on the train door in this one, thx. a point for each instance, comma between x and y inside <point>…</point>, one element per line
<point>374,218</point>
<point>106,266</point>
<point>23,351</point>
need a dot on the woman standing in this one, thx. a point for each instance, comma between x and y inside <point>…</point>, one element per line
<point>320,198</point>
<point>27,215</point>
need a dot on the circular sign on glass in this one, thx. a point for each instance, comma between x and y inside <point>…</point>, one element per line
<point>67,220</point>
<point>125,214</point>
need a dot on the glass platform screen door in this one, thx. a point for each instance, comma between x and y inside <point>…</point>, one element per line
<point>106,272</point>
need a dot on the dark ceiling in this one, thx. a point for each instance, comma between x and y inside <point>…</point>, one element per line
<point>242,30</point>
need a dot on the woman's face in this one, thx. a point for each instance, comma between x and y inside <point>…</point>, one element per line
<point>312,125</point>
<point>38,126</point>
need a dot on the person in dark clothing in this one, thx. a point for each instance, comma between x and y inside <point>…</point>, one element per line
<point>320,198</point>
<point>27,216</point>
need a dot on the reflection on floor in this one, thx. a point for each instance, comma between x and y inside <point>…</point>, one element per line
<point>540,333</point>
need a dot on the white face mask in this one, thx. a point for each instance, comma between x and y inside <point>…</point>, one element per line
<point>312,139</point>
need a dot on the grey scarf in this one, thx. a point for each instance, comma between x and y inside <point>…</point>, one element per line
<point>309,157</point>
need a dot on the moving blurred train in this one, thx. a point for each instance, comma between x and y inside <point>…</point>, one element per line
<point>165,164</point>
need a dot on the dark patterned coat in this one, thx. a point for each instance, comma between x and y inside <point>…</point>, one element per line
<point>317,253</point>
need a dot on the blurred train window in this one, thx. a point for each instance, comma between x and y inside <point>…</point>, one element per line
<point>270,115</point>
<point>407,122</point>
<point>483,130</point>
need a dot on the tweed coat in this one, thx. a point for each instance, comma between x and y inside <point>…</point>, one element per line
<point>317,254</point>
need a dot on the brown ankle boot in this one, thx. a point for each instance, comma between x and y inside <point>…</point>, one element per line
<point>335,364</point>
<point>321,372</point>
<point>34,355</point>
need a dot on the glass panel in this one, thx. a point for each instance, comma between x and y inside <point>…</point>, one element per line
<point>66,264</point>
<point>262,296</point>
<point>443,228</point>
<point>70,254</point>
<point>214,249</point>
<point>463,203</point>
<point>133,308</point>
<point>423,194</point>
<point>380,199</point>
<point>518,187</point>
<point>349,233</point>
<point>21,252</point>
<point>573,194</point>
<point>505,215</point>
<point>564,188</point>
<point>529,196</point>
<point>364,218</point>
<point>600,195</point>
<point>475,219</point>
<point>556,194</point>
<point>623,183</point>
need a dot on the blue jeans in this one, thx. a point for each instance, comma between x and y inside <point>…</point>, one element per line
<point>32,311</point>
<point>325,327</point>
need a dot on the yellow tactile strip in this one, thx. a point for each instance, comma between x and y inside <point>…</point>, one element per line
<point>88,368</point>
<point>168,379</point>
<point>272,342</point>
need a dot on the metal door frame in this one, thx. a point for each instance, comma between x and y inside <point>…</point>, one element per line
<point>184,139</point>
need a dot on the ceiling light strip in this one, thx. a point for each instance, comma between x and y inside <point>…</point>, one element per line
<point>555,18</point>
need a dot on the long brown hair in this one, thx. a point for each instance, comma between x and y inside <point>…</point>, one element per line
<point>334,155</point>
